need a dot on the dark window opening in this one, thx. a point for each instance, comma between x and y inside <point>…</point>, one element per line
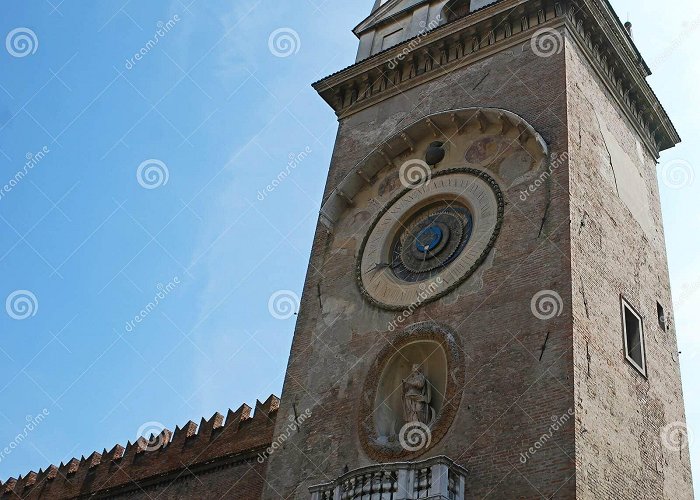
<point>634,338</point>
<point>663,321</point>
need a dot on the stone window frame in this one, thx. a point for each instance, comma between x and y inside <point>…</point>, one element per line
<point>626,305</point>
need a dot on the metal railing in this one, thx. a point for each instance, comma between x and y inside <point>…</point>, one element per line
<point>437,478</point>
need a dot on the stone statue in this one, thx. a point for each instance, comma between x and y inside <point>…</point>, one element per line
<point>417,397</point>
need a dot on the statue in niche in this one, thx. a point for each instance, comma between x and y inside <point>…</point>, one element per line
<point>417,396</point>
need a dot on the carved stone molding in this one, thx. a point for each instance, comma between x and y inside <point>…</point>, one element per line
<point>601,37</point>
<point>591,23</point>
<point>431,54</point>
<point>444,125</point>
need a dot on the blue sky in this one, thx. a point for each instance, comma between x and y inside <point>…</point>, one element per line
<point>214,106</point>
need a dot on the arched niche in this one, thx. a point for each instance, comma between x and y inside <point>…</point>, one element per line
<point>430,356</point>
<point>380,413</point>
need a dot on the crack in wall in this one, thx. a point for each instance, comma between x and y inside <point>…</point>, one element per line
<point>546,208</point>
<point>544,346</point>
<point>585,300</point>
<point>482,80</point>
<point>588,358</point>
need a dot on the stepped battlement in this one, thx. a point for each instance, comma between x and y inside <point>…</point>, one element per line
<point>167,456</point>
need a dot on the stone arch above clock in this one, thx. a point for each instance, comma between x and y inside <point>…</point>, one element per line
<point>495,140</point>
<point>419,242</point>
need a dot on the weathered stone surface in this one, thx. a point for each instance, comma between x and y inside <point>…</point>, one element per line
<point>549,408</point>
<point>510,394</point>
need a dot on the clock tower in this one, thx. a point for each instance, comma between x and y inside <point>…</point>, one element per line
<point>487,307</point>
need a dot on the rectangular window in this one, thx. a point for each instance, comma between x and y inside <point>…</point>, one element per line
<point>634,337</point>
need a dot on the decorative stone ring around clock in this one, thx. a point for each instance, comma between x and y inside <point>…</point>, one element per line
<point>428,240</point>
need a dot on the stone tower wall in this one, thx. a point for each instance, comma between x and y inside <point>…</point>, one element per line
<point>518,368</point>
<point>618,249</point>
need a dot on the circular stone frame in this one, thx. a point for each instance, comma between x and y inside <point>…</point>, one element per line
<point>419,332</point>
<point>480,174</point>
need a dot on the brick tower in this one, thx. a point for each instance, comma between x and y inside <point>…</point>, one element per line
<point>486,312</point>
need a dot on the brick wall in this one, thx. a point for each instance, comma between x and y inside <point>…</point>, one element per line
<point>513,387</point>
<point>620,414</point>
<point>222,458</point>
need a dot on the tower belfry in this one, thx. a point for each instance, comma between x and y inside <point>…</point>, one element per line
<point>485,308</point>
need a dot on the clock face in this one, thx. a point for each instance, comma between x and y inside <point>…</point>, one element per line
<point>429,239</point>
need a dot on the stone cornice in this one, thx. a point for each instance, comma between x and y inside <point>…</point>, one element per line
<point>415,44</point>
<point>456,121</point>
<point>376,17</point>
<point>592,25</point>
<point>598,32</point>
